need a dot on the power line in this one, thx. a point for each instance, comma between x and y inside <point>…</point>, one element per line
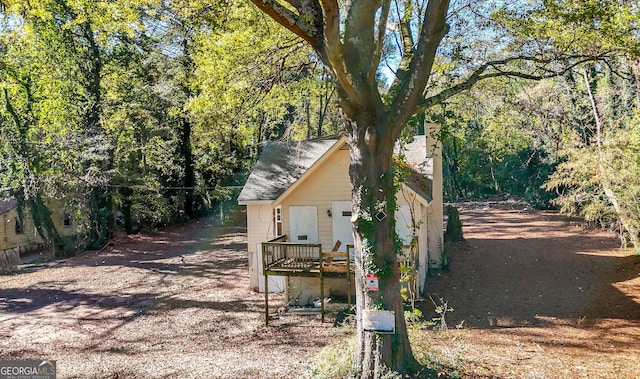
<point>134,186</point>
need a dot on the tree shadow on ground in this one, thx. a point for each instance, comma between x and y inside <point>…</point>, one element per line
<point>172,251</point>
<point>25,300</point>
<point>511,272</point>
<point>502,290</point>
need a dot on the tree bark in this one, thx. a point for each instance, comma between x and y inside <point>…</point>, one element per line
<point>100,217</point>
<point>377,248</point>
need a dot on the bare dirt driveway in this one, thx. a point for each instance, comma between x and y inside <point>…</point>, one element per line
<point>171,304</point>
<point>538,297</point>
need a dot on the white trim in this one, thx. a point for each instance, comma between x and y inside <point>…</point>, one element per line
<point>335,147</point>
<point>277,221</point>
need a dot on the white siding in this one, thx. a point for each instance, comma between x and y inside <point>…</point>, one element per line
<point>259,229</point>
<point>406,198</point>
<point>329,182</point>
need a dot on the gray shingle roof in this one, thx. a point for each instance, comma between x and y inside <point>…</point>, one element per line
<point>281,164</point>
<point>416,152</point>
<point>7,204</point>
<point>420,168</point>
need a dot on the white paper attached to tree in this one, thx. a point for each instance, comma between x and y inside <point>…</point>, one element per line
<point>378,321</point>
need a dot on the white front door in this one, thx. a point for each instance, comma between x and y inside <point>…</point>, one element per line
<point>303,224</point>
<point>341,223</point>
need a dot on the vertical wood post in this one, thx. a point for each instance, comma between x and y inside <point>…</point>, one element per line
<point>321,285</point>
<point>266,288</point>
<point>266,300</point>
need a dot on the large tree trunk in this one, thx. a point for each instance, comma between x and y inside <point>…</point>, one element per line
<point>376,248</point>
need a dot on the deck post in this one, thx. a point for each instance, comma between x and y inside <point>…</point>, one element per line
<point>266,288</point>
<point>321,287</point>
<point>266,300</point>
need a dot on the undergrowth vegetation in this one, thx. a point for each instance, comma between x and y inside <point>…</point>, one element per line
<point>337,360</point>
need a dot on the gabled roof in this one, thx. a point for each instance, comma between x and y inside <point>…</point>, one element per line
<point>279,166</point>
<point>420,178</point>
<point>282,164</point>
<point>7,204</point>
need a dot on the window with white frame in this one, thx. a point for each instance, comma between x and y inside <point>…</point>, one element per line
<point>277,221</point>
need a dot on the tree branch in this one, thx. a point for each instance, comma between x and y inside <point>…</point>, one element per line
<point>295,3</point>
<point>479,74</point>
<point>330,52</point>
<point>411,82</point>
<point>382,27</point>
<point>13,113</point>
<point>359,47</point>
<point>296,23</point>
<point>405,30</point>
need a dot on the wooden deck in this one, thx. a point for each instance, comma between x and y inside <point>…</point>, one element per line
<point>293,259</point>
<point>281,258</point>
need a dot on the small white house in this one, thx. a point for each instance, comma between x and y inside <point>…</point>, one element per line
<point>302,190</point>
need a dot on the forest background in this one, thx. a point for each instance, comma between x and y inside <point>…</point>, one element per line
<point>139,113</point>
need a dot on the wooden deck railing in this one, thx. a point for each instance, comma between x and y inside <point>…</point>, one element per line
<point>290,255</point>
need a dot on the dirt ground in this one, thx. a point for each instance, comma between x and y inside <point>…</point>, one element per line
<point>535,297</point>
<point>172,304</point>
